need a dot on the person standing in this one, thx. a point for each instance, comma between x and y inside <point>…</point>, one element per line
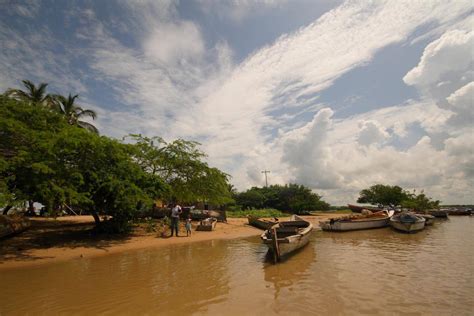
<point>188,226</point>
<point>175,212</point>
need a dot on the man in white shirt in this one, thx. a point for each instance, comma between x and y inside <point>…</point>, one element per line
<point>175,212</point>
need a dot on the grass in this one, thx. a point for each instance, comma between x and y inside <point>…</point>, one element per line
<point>260,213</point>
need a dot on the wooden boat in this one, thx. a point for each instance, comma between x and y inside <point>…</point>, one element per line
<point>407,222</point>
<point>287,236</point>
<point>439,213</point>
<point>207,224</point>
<point>358,208</point>
<point>10,225</point>
<point>429,219</point>
<point>358,222</point>
<point>260,223</point>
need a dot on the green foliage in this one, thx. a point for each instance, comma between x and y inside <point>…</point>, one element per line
<point>258,213</point>
<point>419,202</point>
<point>45,159</point>
<point>383,195</point>
<point>180,164</point>
<point>292,198</point>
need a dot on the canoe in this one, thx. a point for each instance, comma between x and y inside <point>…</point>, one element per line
<point>207,224</point>
<point>10,225</point>
<point>260,223</point>
<point>358,208</point>
<point>407,222</point>
<point>287,236</point>
<point>349,223</point>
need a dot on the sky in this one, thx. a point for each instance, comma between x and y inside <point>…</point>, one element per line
<point>334,95</point>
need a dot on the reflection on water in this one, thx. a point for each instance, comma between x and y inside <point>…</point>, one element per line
<point>364,272</point>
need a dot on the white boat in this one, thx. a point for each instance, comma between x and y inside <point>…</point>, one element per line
<point>358,222</point>
<point>407,222</point>
<point>287,236</point>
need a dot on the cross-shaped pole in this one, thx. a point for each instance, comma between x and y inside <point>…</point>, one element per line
<point>265,172</point>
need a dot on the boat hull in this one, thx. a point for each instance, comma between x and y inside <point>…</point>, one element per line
<point>342,226</point>
<point>439,214</point>
<point>286,244</point>
<point>260,223</point>
<point>294,244</point>
<point>408,227</point>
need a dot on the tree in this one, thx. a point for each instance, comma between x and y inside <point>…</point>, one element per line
<point>180,164</point>
<point>73,112</point>
<point>252,198</point>
<point>44,159</point>
<point>420,202</point>
<point>291,198</point>
<point>32,95</point>
<point>383,195</point>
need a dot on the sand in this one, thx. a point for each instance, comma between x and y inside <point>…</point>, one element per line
<point>69,238</point>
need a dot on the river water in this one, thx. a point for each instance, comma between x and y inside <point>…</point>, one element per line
<point>375,272</point>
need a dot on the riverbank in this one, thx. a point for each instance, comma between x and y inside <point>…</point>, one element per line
<point>69,238</point>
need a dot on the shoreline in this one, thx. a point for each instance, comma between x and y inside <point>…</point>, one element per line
<point>67,238</point>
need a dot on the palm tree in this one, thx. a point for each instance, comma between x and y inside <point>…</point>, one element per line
<point>33,95</point>
<point>73,113</point>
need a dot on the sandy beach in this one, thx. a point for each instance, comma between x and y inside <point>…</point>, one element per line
<point>69,238</point>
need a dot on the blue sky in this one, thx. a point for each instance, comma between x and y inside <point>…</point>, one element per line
<point>336,95</point>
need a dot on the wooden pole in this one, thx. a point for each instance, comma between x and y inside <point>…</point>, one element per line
<point>276,248</point>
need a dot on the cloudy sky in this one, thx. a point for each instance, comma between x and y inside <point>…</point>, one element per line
<point>335,95</point>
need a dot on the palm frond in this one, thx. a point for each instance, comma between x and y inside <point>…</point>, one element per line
<point>88,126</point>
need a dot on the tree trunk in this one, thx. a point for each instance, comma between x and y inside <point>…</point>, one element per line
<point>6,209</point>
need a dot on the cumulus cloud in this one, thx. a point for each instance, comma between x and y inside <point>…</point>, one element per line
<point>175,84</point>
<point>371,133</point>
<point>446,65</point>
<point>461,103</point>
<point>307,154</point>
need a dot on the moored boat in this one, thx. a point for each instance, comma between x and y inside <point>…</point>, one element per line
<point>260,222</point>
<point>407,222</point>
<point>207,224</point>
<point>358,222</point>
<point>360,208</point>
<point>429,219</point>
<point>287,236</point>
<point>439,213</point>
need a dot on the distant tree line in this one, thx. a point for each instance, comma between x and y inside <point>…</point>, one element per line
<point>48,155</point>
<point>292,198</point>
<point>395,196</point>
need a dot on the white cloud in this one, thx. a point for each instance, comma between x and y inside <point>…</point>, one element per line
<point>177,85</point>
<point>307,153</point>
<point>446,65</point>
<point>461,103</point>
<point>170,43</point>
<point>371,133</point>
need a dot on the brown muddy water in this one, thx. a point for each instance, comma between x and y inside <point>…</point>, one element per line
<point>367,272</point>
